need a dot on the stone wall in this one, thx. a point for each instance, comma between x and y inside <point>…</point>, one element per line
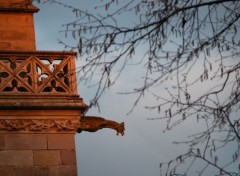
<point>16,32</point>
<point>33,144</point>
<point>38,117</point>
<point>40,109</point>
<point>37,155</point>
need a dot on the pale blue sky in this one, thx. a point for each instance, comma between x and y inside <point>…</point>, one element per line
<point>144,146</point>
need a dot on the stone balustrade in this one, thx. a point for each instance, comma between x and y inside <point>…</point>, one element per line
<point>44,73</point>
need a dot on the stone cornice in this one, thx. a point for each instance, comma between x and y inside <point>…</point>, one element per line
<point>45,52</point>
<point>33,102</point>
<point>18,7</point>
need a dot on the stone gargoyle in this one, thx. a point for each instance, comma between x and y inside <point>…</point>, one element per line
<point>93,124</point>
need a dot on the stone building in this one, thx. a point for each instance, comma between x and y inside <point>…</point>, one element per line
<point>40,109</point>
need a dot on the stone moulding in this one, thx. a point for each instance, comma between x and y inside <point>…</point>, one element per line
<point>18,6</point>
<point>31,102</point>
<point>38,126</point>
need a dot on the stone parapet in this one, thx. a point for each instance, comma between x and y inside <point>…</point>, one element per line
<point>37,73</point>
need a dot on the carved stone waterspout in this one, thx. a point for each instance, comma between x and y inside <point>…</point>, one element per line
<point>93,124</point>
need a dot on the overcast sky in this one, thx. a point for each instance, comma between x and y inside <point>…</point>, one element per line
<point>144,145</point>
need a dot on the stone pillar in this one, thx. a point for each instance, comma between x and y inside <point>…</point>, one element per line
<point>16,25</point>
<point>40,108</point>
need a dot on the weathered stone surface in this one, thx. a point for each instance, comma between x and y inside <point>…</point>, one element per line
<point>2,21</point>
<point>16,158</point>
<point>5,45</point>
<point>25,141</point>
<point>21,45</point>
<point>63,141</point>
<point>63,171</point>
<point>2,142</point>
<point>17,6</point>
<point>31,171</point>
<point>11,1</point>
<point>47,157</point>
<point>16,29</point>
<point>20,20</point>
<point>68,157</point>
<point>6,171</point>
<point>14,35</point>
<point>38,116</point>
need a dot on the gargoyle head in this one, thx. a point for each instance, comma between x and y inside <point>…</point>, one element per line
<point>120,129</point>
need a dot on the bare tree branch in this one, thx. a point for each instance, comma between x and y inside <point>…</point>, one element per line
<point>184,46</point>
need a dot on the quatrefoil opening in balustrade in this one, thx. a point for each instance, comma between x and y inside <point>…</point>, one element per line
<point>53,75</point>
<point>14,86</point>
<point>3,75</point>
<point>15,75</point>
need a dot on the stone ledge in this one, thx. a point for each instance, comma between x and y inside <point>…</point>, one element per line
<point>39,53</point>
<point>32,102</point>
<point>17,6</point>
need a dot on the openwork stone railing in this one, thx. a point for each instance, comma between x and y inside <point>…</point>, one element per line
<point>37,73</point>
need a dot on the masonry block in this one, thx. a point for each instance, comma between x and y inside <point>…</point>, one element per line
<point>6,171</point>
<point>63,171</point>
<point>31,171</point>
<point>25,141</point>
<point>68,157</point>
<point>47,157</point>
<point>61,141</point>
<point>16,158</point>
